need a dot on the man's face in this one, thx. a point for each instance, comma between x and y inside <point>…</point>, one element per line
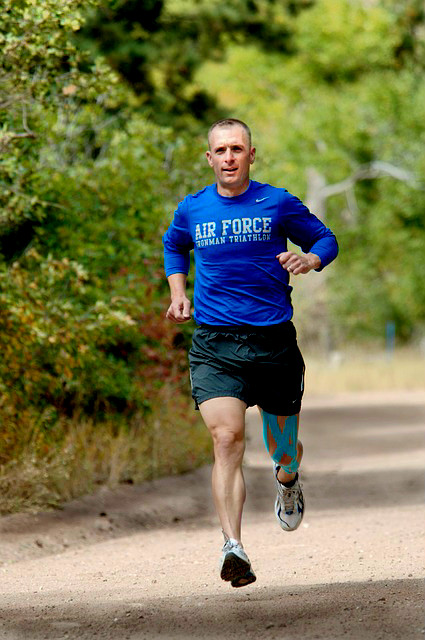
<point>230,158</point>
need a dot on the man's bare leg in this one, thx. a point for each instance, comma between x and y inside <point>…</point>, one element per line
<point>284,476</point>
<point>225,419</point>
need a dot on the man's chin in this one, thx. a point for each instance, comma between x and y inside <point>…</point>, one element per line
<point>230,178</point>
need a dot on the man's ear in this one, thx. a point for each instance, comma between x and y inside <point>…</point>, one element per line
<point>252,155</point>
<point>209,158</point>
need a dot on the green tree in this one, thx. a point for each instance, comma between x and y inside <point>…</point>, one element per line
<point>39,72</point>
<point>86,186</point>
<point>343,115</point>
<point>157,46</point>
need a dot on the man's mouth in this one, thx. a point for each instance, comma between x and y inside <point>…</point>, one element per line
<point>230,170</point>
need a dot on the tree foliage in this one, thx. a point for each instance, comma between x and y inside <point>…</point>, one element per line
<point>38,75</point>
<point>351,95</point>
<point>87,183</point>
<point>157,46</point>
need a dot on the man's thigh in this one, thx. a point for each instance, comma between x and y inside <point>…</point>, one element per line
<point>224,415</point>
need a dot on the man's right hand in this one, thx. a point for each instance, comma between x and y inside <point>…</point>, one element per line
<point>179,310</point>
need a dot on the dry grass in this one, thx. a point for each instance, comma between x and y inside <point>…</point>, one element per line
<point>365,371</point>
<point>90,455</point>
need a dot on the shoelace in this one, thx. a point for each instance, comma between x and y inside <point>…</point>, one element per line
<point>289,496</point>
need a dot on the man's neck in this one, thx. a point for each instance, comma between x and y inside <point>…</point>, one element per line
<point>231,193</point>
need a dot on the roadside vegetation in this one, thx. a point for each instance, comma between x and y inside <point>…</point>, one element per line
<point>103,109</point>
<point>361,370</point>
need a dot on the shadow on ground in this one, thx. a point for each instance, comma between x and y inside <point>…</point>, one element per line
<point>366,611</point>
<point>333,491</point>
<point>364,430</point>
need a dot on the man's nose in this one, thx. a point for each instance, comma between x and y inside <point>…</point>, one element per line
<point>228,156</point>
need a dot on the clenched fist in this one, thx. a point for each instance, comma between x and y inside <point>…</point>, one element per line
<point>294,263</point>
<point>179,310</point>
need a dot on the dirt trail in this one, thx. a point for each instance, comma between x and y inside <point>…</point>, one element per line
<point>147,567</point>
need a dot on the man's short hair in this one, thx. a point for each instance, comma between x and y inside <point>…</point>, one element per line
<point>230,122</point>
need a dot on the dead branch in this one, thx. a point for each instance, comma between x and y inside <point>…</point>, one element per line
<point>318,191</point>
<point>370,171</point>
<point>6,139</point>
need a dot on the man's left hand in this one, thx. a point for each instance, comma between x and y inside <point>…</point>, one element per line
<point>293,263</point>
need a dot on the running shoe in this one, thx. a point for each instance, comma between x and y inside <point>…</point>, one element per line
<point>235,566</point>
<point>289,505</point>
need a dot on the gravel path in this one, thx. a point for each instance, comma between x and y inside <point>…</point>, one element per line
<point>141,562</point>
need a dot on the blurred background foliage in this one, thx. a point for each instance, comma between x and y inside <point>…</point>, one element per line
<point>103,112</point>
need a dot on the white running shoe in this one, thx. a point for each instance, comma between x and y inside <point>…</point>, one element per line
<point>289,505</point>
<point>235,566</point>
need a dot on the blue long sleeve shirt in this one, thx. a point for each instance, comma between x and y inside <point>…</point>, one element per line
<point>236,239</point>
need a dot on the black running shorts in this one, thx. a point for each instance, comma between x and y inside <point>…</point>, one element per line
<point>258,365</point>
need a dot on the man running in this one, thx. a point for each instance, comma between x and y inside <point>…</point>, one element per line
<point>244,350</point>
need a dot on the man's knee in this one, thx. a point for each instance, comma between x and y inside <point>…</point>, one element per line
<point>227,435</point>
<point>227,439</point>
<point>225,420</point>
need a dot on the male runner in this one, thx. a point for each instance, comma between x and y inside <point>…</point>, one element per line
<point>244,350</point>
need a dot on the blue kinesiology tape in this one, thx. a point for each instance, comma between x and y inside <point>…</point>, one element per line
<point>286,439</point>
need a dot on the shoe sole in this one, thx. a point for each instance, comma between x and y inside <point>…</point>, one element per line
<point>234,567</point>
<point>244,580</point>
